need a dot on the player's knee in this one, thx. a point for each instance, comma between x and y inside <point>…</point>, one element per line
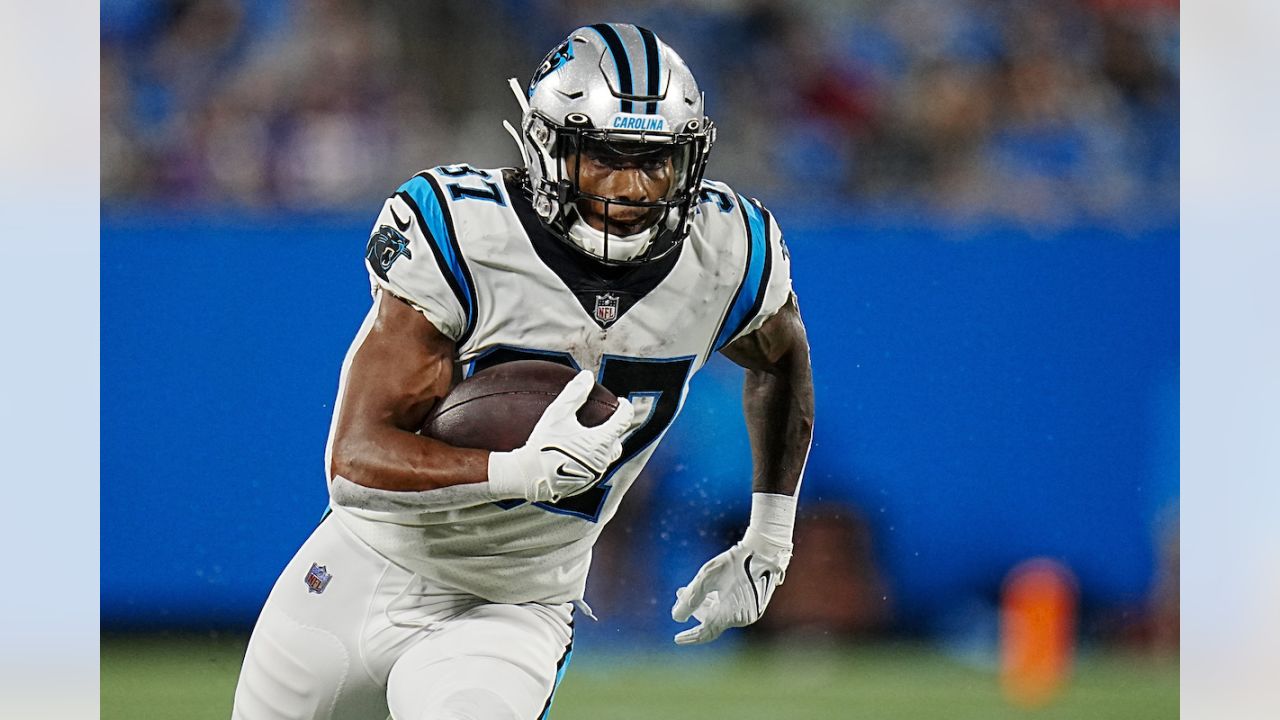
<point>466,691</point>
<point>467,704</point>
<point>290,672</point>
<point>475,704</point>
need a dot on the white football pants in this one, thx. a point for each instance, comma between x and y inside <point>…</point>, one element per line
<point>377,639</point>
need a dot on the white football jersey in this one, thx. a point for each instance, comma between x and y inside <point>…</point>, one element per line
<point>465,248</point>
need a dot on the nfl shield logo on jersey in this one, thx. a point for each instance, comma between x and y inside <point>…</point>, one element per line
<point>606,308</point>
<point>318,578</point>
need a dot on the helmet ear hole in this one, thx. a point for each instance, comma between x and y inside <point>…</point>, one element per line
<point>541,133</point>
<point>692,126</point>
<point>577,120</point>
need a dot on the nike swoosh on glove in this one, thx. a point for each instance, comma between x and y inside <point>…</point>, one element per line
<point>732,589</point>
<point>561,457</point>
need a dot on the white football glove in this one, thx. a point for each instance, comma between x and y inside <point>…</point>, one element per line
<point>733,588</point>
<point>561,457</point>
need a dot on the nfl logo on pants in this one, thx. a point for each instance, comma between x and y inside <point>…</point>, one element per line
<point>318,578</point>
<point>606,308</point>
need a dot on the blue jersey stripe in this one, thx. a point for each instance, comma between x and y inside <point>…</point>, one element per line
<point>561,666</point>
<point>439,233</point>
<point>546,711</point>
<point>751,291</point>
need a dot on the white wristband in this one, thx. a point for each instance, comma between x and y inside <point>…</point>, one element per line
<point>506,480</point>
<point>773,517</point>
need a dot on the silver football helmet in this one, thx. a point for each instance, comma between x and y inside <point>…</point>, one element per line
<point>616,92</point>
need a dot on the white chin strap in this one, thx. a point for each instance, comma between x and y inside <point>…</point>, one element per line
<point>621,247</point>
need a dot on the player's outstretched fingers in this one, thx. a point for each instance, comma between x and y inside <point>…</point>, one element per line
<point>575,393</point>
<point>704,633</point>
<point>617,425</point>
<point>621,418</point>
<point>692,636</point>
<point>689,598</point>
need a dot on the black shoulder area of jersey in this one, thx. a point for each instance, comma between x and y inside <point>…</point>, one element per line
<point>591,282</point>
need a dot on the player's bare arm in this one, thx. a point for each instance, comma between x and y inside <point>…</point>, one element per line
<point>734,588</point>
<point>777,398</point>
<point>403,367</point>
<point>398,374</point>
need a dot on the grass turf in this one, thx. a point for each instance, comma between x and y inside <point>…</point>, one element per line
<point>193,678</point>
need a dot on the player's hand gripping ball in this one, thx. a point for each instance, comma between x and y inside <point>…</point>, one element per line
<point>554,432</point>
<point>496,409</point>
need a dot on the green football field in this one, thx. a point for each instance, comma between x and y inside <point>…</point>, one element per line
<point>193,679</point>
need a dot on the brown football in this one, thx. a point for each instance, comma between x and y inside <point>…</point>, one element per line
<point>496,408</point>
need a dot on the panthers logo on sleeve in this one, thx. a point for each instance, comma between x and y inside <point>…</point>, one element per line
<point>386,245</point>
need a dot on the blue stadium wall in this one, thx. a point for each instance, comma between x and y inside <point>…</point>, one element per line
<point>984,396</point>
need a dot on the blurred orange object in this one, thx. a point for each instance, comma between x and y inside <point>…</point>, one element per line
<point>1037,631</point>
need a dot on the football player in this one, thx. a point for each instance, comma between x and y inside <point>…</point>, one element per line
<point>444,582</point>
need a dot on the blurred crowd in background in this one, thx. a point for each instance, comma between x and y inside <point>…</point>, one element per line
<point>1044,112</point>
